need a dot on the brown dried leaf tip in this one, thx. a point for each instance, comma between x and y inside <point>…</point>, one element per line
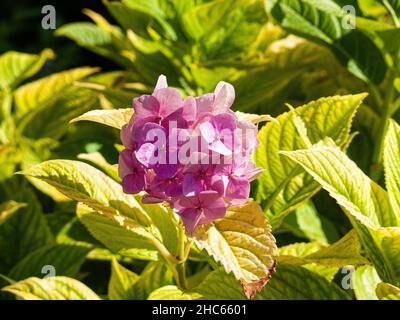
<point>253,287</point>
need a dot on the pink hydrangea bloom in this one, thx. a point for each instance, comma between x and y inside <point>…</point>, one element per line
<point>193,153</point>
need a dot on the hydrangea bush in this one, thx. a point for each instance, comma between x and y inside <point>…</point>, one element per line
<point>176,218</point>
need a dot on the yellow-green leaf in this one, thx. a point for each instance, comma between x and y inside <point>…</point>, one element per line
<point>365,203</point>
<point>81,182</point>
<point>297,254</point>
<point>171,293</point>
<point>121,282</point>
<point>45,90</point>
<point>242,242</point>
<point>391,158</point>
<point>386,291</point>
<point>284,185</point>
<point>365,280</point>
<point>128,238</point>
<point>115,118</point>
<point>97,159</point>
<point>346,251</point>
<point>345,182</point>
<point>8,208</point>
<point>292,282</point>
<point>17,66</point>
<point>254,118</point>
<point>52,288</point>
<point>289,282</point>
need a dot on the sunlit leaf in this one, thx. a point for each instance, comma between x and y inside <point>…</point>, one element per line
<point>365,203</point>
<point>391,158</point>
<point>114,118</point>
<point>53,288</point>
<point>365,280</point>
<point>65,259</point>
<point>284,186</point>
<point>16,66</point>
<point>242,242</point>
<point>386,291</point>
<point>34,94</point>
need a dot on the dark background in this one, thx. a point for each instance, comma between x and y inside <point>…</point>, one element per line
<point>21,30</point>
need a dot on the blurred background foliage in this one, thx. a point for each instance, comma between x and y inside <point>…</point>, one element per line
<point>104,53</point>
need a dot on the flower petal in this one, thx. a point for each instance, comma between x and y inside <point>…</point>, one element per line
<point>191,218</point>
<point>133,183</point>
<point>224,97</point>
<point>125,163</point>
<point>219,147</point>
<point>170,100</point>
<point>161,83</point>
<point>146,155</point>
<point>191,184</point>
<point>208,131</point>
<point>238,188</point>
<point>204,104</point>
<point>146,106</point>
<point>210,199</point>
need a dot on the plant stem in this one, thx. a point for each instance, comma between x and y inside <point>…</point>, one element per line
<point>182,257</point>
<point>392,13</point>
<point>181,280</point>
<point>376,168</point>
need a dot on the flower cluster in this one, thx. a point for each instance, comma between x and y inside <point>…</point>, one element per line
<point>193,153</point>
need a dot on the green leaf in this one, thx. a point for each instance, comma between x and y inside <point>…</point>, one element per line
<point>292,282</point>
<point>391,158</point>
<point>214,12</point>
<point>297,254</point>
<point>387,241</point>
<point>121,282</point>
<point>166,222</point>
<point>8,208</point>
<point>322,22</point>
<point>118,213</point>
<point>54,288</point>
<point>242,242</point>
<point>284,186</point>
<point>365,203</point>
<point>219,285</point>
<point>17,66</point>
<point>155,275</point>
<point>298,250</point>
<point>65,259</point>
<point>126,285</point>
<point>97,159</point>
<point>116,118</point>
<point>50,119</point>
<point>286,59</point>
<point>345,182</point>
<point>24,231</point>
<point>85,34</point>
<point>153,9</point>
<point>365,280</point>
<point>129,239</point>
<point>81,182</point>
<point>306,222</point>
<point>170,293</point>
<point>346,251</point>
<point>68,230</point>
<point>35,94</point>
<point>254,118</point>
<point>386,291</point>
<point>393,6</point>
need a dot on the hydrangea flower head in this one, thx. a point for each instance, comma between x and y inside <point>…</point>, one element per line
<point>192,153</point>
